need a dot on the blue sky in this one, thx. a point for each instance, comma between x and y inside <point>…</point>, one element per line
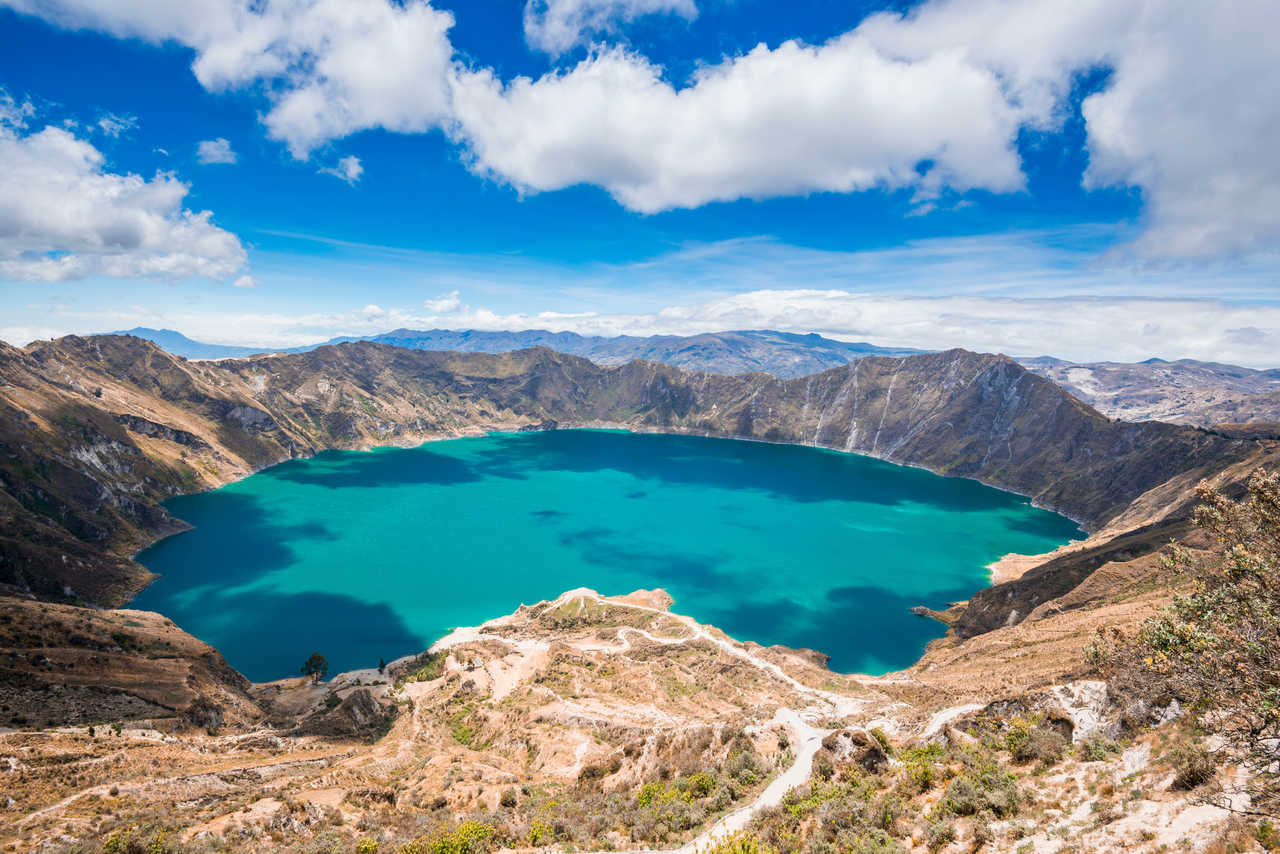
<point>1015,177</point>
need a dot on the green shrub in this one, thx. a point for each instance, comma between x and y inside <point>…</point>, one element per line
<point>700,785</point>
<point>940,835</point>
<point>1192,766</point>
<point>1096,748</point>
<point>470,837</point>
<point>983,786</point>
<point>741,843</point>
<point>879,735</point>
<point>1213,647</point>
<point>1031,741</point>
<point>744,766</point>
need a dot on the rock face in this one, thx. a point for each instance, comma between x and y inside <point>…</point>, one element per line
<point>1205,394</point>
<point>96,432</point>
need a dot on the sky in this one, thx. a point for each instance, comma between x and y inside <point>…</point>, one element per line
<point>1089,179</point>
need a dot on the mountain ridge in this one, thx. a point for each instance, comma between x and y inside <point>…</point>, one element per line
<point>102,429</point>
<point>1184,391</point>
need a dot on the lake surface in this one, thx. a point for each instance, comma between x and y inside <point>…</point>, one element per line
<point>368,555</point>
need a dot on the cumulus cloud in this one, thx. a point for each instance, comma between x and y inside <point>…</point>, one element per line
<point>555,26</point>
<point>63,216</point>
<point>795,119</point>
<point>346,169</point>
<point>215,151</point>
<point>443,304</point>
<point>331,67</point>
<point>928,101</point>
<point>245,281</point>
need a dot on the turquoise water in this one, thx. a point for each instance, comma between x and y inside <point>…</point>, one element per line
<point>368,555</point>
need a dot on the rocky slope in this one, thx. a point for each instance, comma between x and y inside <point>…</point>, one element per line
<point>1202,394</point>
<point>1182,392</point>
<point>96,432</point>
<point>592,723</point>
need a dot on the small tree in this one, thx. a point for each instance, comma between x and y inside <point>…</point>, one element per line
<point>1216,647</point>
<point>316,667</point>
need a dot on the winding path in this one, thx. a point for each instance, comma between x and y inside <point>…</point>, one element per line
<point>805,736</point>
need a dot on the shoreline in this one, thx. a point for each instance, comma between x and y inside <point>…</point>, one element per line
<point>181,526</point>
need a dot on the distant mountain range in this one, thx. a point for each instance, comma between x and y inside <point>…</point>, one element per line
<point>1186,391</point>
<point>782,354</point>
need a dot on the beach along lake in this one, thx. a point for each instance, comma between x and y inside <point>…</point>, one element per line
<point>373,555</point>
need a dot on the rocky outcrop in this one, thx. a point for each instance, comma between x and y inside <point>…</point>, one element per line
<point>63,665</point>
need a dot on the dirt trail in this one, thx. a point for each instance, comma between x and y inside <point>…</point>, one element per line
<point>806,738</point>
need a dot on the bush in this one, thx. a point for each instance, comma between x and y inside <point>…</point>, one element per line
<point>741,843</point>
<point>879,735</point>
<point>1096,748</point>
<point>470,837</point>
<point>1192,766</point>
<point>1031,741</point>
<point>983,787</point>
<point>744,766</point>
<point>940,835</point>
<point>700,785</point>
<point>508,799</point>
<point>1213,648</point>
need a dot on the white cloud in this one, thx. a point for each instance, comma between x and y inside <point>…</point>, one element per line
<point>245,281</point>
<point>1192,117</point>
<point>12,113</point>
<point>333,67</point>
<point>215,151</point>
<point>443,304</point>
<point>63,216</point>
<point>347,169</point>
<point>113,125</point>
<point>1188,115</point>
<point>555,26</point>
<point>792,120</point>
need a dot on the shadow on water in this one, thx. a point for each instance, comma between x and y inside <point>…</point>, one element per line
<point>272,634</point>
<point>648,566</point>
<point>383,467</point>
<point>785,471</point>
<point>233,542</point>
<point>263,634</point>
<point>548,515</point>
<point>862,628</point>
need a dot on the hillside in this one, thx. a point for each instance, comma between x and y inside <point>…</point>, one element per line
<point>99,431</point>
<point>600,723</point>
<point>1182,392</point>
<point>1200,394</point>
